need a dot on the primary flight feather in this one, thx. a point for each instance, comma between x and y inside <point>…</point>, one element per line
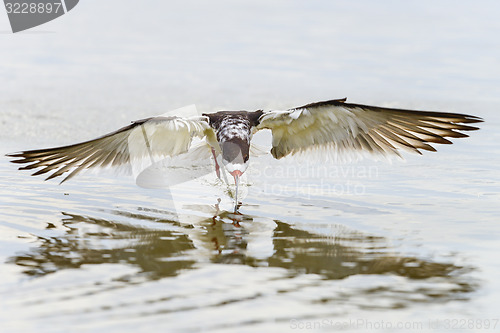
<point>333,126</point>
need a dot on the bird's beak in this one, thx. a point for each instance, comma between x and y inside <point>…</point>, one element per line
<point>236,175</point>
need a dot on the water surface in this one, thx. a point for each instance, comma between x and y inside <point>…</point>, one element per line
<point>369,245</point>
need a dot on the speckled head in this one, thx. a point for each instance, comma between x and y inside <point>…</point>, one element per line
<point>234,132</point>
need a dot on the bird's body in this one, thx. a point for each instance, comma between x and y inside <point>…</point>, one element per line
<point>334,127</point>
<point>234,131</point>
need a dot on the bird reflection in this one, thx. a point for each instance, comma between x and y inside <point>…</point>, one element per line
<point>340,255</point>
<point>228,238</point>
<point>89,240</point>
<point>160,247</point>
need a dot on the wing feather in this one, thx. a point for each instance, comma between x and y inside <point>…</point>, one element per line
<point>345,127</point>
<point>163,136</point>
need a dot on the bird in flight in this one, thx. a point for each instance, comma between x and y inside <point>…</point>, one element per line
<point>333,126</point>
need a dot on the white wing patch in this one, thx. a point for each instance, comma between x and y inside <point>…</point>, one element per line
<point>164,136</point>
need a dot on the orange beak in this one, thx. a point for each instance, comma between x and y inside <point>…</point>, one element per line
<point>236,173</point>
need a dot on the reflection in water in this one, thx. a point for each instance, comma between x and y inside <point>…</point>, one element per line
<point>97,241</point>
<point>160,247</point>
<point>342,255</point>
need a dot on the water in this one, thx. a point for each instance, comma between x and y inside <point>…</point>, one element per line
<point>367,246</point>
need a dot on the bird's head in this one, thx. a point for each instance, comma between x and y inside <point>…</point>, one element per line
<point>235,155</point>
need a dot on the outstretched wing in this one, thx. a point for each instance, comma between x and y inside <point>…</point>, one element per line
<point>338,127</point>
<point>143,139</point>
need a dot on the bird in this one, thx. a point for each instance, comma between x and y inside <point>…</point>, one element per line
<point>331,127</point>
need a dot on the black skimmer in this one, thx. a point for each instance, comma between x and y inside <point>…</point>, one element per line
<point>332,126</point>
